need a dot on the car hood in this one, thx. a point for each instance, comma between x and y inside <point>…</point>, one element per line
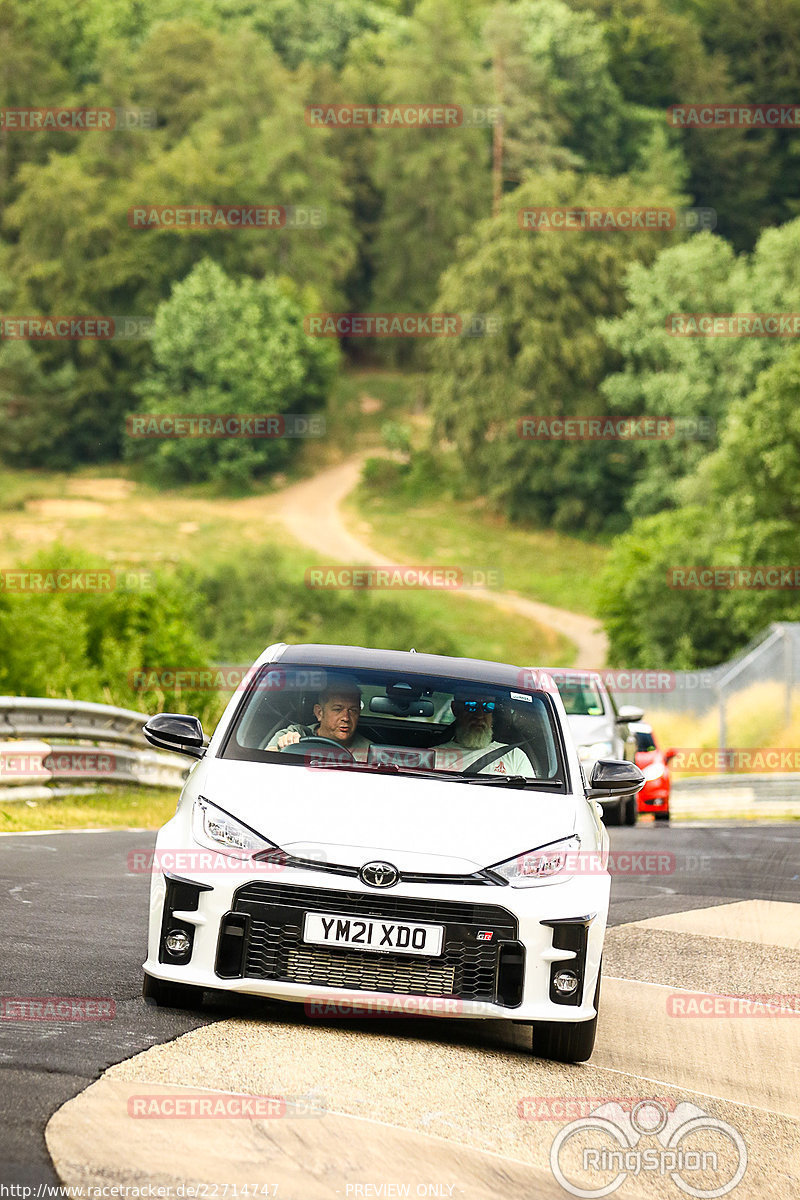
<point>421,824</point>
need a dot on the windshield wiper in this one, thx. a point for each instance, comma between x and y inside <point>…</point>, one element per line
<point>515,780</point>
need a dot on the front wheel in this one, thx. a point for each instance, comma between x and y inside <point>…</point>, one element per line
<point>562,1042</point>
<point>661,816</point>
<point>631,810</point>
<point>160,993</point>
<point>613,814</point>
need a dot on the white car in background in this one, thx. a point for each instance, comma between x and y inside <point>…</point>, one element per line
<point>404,876</point>
<point>600,730</point>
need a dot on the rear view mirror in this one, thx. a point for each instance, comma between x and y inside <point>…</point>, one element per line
<point>614,777</point>
<point>177,732</point>
<point>629,713</point>
<point>401,707</point>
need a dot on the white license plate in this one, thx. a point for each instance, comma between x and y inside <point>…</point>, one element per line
<point>391,937</point>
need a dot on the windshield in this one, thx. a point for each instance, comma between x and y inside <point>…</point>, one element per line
<point>644,742</point>
<point>384,720</point>
<point>581,697</point>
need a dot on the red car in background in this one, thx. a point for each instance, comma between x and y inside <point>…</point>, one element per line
<point>654,796</point>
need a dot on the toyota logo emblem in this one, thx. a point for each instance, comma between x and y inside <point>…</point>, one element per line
<point>379,874</point>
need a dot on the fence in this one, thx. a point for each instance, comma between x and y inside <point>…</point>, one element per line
<point>75,745</point>
<point>772,657</point>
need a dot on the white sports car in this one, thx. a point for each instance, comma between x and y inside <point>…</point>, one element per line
<point>386,831</point>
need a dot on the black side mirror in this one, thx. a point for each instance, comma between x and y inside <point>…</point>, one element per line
<point>613,777</point>
<point>174,731</point>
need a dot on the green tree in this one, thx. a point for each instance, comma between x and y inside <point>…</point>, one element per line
<point>650,621</point>
<point>88,645</point>
<point>233,348</point>
<point>694,380</point>
<point>548,291</point>
<point>434,181</point>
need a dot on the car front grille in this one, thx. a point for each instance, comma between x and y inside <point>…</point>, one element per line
<point>467,968</point>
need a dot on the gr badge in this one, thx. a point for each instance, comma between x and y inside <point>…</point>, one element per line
<point>485,935</point>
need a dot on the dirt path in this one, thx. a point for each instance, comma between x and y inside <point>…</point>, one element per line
<point>311,511</point>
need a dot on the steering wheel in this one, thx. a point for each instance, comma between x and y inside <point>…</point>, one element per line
<point>304,743</point>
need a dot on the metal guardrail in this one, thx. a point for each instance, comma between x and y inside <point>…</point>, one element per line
<point>76,745</point>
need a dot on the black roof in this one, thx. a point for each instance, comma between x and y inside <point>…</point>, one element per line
<point>352,657</point>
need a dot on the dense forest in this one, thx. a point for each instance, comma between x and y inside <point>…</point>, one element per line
<point>563,105</point>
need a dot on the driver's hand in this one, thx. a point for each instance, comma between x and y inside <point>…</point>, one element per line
<point>288,739</point>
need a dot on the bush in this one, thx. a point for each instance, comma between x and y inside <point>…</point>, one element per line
<point>226,347</point>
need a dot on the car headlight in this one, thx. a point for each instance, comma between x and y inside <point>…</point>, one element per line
<point>215,829</point>
<point>595,751</point>
<point>545,864</point>
<point>653,771</point>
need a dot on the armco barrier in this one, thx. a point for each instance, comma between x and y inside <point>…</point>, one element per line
<point>75,745</point>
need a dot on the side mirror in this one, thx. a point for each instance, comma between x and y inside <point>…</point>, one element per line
<point>629,713</point>
<point>614,777</point>
<point>669,755</point>
<point>173,731</point>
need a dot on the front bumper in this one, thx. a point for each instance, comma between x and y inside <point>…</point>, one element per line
<point>246,936</point>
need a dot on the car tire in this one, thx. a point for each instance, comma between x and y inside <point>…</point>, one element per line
<point>613,815</point>
<point>161,994</point>
<point>661,816</point>
<point>631,811</point>
<point>562,1042</point>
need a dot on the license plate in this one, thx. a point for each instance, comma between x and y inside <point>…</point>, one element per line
<point>390,937</point>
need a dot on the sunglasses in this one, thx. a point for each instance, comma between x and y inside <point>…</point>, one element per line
<point>473,706</point>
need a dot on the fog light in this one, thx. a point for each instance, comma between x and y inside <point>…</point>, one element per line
<point>565,982</point>
<point>177,942</point>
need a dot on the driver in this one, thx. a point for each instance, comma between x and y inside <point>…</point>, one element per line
<point>472,739</point>
<point>337,711</point>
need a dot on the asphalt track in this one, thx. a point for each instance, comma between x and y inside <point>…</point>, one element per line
<point>74,924</point>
